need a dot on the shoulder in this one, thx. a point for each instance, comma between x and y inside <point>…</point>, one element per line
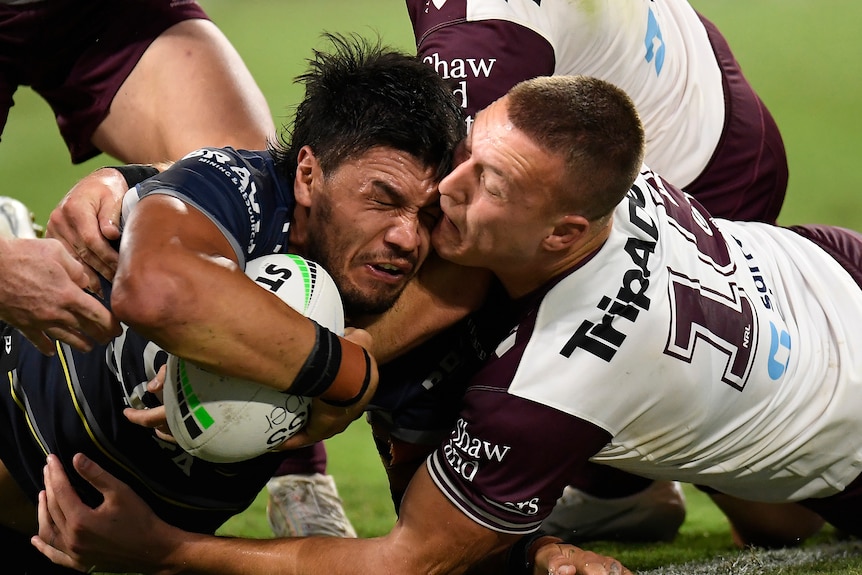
<point>208,168</point>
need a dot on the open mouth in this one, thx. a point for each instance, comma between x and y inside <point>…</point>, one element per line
<point>391,272</point>
<point>389,269</point>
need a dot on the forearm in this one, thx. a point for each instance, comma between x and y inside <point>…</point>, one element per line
<point>297,556</point>
<point>431,537</point>
<point>223,321</point>
<point>441,295</point>
<point>178,285</point>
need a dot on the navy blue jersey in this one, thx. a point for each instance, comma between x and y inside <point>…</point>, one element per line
<point>239,190</point>
<point>73,402</point>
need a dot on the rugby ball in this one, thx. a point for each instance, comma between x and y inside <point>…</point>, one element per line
<point>227,419</point>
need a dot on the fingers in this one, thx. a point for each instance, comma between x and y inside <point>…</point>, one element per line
<point>47,530</point>
<point>55,555</point>
<point>108,216</point>
<point>83,275</point>
<point>88,315</point>
<point>93,319</point>
<point>300,439</point>
<point>78,331</point>
<point>327,420</point>
<point>48,301</point>
<point>43,339</point>
<point>97,253</point>
<point>52,519</point>
<point>85,242</point>
<point>51,515</point>
<point>83,319</point>
<point>92,472</point>
<point>87,267</point>
<point>85,220</point>
<point>75,339</point>
<point>43,342</point>
<point>566,559</point>
<point>153,418</point>
<point>156,385</point>
<point>609,567</point>
<point>359,337</point>
<point>139,417</point>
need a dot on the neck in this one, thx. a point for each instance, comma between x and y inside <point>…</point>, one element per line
<point>297,232</point>
<point>523,279</point>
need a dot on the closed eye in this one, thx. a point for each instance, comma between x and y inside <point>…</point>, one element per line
<point>430,215</point>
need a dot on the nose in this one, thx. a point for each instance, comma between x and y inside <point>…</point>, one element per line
<point>406,233</point>
<point>453,185</point>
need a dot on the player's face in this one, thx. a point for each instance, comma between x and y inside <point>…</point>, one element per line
<point>496,202</point>
<point>371,226</point>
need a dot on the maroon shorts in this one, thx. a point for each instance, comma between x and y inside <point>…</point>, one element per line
<point>842,244</point>
<point>842,510</point>
<point>76,55</point>
<point>746,178</point>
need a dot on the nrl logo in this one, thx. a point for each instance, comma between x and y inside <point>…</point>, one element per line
<point>7,343</point>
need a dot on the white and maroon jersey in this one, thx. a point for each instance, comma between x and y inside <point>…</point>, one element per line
<point>718,353</point>
<point>657,51</point>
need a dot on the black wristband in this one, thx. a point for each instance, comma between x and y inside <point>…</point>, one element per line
<point>365,383</point>
<point>518,562</point>
<point>321,366</point>
<point>135,173</point>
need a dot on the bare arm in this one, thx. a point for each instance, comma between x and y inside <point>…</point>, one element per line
<point>179,285</point>
<point>122,534</point>
<point>204,96</point>
<point>767,524</point>
<point>431,536</point>
<point>441,294</point>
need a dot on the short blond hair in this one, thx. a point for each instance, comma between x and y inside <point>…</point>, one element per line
<point>594,126</point>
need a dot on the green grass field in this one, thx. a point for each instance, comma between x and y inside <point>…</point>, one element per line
<point>802,57</point>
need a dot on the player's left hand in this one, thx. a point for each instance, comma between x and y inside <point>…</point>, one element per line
<point>565,559</point>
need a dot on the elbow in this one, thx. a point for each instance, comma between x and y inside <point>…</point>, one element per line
<point>148,302</point>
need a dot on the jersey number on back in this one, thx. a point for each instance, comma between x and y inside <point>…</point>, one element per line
<point>725,318</point>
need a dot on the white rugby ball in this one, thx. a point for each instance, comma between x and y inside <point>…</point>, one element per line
<point>227,419</point>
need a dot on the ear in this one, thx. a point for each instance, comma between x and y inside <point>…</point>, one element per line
<point>568,230</point>
<point>308,174</point>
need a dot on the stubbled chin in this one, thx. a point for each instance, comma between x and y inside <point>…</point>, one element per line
<point>375,283</point>
<point>370,297</point>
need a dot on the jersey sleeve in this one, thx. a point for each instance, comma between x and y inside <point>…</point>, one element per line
<point>482,58</point>
<point>507,459</point>
<point>236,190</point>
